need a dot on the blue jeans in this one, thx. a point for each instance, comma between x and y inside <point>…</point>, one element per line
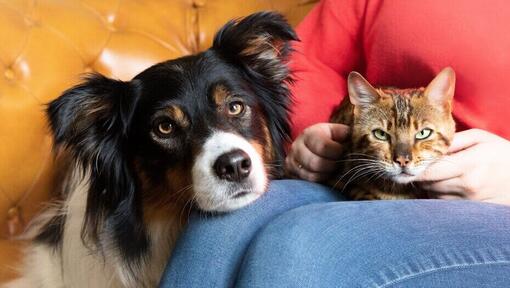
<point>299,235</point>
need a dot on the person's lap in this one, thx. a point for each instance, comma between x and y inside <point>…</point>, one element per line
<point>296,236</point>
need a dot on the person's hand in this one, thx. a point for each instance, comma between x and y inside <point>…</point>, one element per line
<point>477,167</point>
<point>314,155</point>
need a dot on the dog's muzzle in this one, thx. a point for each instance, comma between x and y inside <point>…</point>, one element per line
<point>228,173</point>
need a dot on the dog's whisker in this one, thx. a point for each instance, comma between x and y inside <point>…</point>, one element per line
<point>182,191</point>
<point>189,203</point>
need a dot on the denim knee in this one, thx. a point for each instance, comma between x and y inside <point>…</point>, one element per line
<point>376,244</point>
<point>211,248</point>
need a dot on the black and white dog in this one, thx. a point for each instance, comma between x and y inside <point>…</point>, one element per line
<point>206,130</point>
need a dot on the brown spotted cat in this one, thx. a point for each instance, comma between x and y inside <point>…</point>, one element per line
<point>395,135</point>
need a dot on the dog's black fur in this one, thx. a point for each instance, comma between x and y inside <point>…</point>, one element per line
<point>106,126</point>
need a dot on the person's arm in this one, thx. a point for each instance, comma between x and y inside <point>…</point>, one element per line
<point>330,48</point>
<point>477,167</point>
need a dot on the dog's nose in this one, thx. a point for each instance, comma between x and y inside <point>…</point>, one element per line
<point>233,166</point>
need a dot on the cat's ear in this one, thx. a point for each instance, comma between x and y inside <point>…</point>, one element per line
<point>360,91</point>
<point>441,89</point>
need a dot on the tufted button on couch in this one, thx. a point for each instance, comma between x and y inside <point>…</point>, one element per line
<point>47,44</point>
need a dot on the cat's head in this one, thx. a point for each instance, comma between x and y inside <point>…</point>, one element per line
<point>403,130</point>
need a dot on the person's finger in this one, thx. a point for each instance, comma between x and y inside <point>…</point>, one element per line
<point>300,171</point>
<point>449,196</point>
<point>290,171</point>
<point>313,162</point>
<point>311,176</point>
<point>452,185</point>
<point>455,188</point>
<point>450,166</point>
<point>338,132</point>
<point>323,146</point>
<point>505,200</point>
<point>326,148</point>
<point>465,139</point>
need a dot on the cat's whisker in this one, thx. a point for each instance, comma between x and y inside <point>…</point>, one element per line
<point>379,171</point>
<point>362,155</point>
<point>357,159</point>
<point>380,175</point>
<point>359,153</point>
<point>352,179</point>
<point>354,168</point>
<point>336,183</point>
<point>357,167</point>
<point>360,173</point>
<point>366,172</point>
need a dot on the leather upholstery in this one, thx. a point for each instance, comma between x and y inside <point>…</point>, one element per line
<point>47,44</point>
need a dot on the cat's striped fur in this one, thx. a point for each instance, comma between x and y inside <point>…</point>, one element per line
<point>385,151</point>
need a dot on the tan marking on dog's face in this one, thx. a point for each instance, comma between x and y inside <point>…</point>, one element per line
<point>179,179</point>
<point>176,113</point>
<point>169,196</point>
<point>220,94</point>
<point>268,147</point>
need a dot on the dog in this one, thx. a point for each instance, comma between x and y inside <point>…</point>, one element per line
<point>206,130</point>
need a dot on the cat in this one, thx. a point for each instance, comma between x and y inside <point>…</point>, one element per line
<point>395,134</point>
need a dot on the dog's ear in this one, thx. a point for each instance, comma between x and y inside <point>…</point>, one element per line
<point>261,43</point>
<point>92,120</point>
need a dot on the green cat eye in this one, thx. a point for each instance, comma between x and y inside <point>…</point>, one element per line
<point>381,135</point>
<point>423,134</point>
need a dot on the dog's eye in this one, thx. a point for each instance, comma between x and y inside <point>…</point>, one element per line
<point>235,108</point>
<point>164,128</point>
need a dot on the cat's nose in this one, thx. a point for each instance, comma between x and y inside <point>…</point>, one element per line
<point>402,160</point>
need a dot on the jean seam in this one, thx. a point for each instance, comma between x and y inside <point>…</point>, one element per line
<point>426,272</point>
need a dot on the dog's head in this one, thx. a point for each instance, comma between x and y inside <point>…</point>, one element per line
<point>209,128</point>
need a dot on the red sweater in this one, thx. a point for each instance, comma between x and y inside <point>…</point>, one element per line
<point>404,44</point>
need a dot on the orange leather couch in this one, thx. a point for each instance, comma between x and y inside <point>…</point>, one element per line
<point>46,45</point>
